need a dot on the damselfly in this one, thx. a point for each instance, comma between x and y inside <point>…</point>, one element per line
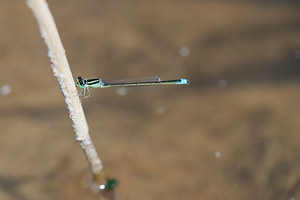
<point>86,84</point>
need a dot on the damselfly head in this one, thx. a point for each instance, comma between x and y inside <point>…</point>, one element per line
<point>80,82</point>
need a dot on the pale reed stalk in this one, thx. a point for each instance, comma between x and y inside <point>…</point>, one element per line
<point>66,83</point>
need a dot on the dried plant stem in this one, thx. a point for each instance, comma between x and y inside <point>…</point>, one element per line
<point>65,79</point>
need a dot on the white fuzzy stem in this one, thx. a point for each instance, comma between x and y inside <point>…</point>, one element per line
<point>65,80</point>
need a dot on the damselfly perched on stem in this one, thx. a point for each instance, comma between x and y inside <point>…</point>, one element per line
<point>86,84</point>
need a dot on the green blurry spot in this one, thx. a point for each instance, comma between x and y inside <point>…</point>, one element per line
<point>111,184</point>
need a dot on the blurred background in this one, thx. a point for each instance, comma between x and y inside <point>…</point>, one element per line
<point>233,133</point>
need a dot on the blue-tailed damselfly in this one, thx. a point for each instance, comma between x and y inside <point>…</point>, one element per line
<point>85,84</point>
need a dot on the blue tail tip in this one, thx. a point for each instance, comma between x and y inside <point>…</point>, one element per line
<point>184,81</point>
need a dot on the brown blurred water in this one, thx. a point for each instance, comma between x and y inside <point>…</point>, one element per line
<point>233,133</point>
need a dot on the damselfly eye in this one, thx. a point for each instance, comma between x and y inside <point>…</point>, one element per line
<point>80,81</point>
